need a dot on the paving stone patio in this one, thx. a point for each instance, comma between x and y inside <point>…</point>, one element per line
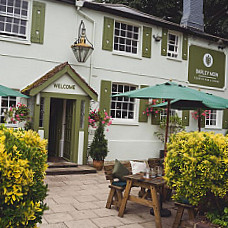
<point>78,201</point>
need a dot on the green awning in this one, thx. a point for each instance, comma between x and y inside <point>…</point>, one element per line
<point>7,92</point>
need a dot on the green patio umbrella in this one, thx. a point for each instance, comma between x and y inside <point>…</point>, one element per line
<point>7,92</point>
<point>187,97</point>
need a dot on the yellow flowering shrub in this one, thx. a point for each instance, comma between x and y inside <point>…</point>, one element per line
<point>196,166</point>
<point>23,161</point>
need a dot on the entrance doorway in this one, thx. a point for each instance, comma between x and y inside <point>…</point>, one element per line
<point>60,128</point>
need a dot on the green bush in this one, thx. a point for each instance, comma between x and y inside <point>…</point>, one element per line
<point>23,161</point>
<point>196,166</point>
<point>98,149</point>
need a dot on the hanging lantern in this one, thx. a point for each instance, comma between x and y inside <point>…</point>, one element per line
<point>82,48</point>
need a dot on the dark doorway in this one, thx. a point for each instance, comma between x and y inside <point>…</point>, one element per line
<point>55,127</point>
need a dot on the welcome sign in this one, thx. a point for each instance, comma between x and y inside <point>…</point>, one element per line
<point>206,67</point>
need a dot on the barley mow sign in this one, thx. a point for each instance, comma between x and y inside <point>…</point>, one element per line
<point>206,67</point>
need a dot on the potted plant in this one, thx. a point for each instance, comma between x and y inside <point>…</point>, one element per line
<point>98,149</point>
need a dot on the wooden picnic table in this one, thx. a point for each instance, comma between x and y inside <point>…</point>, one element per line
<point>153,184</point>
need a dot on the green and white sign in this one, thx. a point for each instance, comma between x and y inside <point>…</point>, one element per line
<point>206,67</point>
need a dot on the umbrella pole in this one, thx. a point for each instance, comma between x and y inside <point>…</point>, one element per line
<point>167,128</point>
<point>199,120</point>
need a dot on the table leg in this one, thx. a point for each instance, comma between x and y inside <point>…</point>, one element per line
<point>156,207</point>
<point>125,198</point>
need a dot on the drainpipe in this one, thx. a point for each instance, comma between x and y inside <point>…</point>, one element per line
<point>78,5</point>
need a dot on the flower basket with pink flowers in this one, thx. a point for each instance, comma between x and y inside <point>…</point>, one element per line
<point>17,114</point>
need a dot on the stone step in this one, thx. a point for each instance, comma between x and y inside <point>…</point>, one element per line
<point>63,164</point>
<point>81,169</point>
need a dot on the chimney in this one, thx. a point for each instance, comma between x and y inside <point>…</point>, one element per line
<point>193,15</point>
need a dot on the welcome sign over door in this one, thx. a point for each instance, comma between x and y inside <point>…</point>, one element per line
<point>206,67</point>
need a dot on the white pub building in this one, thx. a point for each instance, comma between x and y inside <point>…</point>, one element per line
<point>131,50</point>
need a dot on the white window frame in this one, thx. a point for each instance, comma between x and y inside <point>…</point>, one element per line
<point>125,53</point>
<point>26,40</point>
<point>163,113</point>
<point>218,119</point>
<point>8,105</point>
<point>177,44</point>
<point>134,120</point>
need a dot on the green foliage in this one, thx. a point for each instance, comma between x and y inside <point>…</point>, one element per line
<point>175,125</point>
<point>219,219</point>
<point>23,161</point>
<point>98,149</point>
<point>215,16</point>
<point>196,166</point>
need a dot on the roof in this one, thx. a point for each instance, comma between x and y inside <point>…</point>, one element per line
<point>127,12</point>
<point>44,79</point>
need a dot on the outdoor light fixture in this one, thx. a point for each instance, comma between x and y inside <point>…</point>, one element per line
<point>157,38</point>
<point>82,48</point>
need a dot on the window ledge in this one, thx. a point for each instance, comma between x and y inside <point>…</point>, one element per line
<point>213,127</point>
<point>125,122</point>
<point>9,125</point>
<point>124,54</point>
<point>14,40</point>
<point>174,59</point>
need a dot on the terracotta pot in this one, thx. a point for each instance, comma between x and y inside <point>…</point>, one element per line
<point>98,164</point>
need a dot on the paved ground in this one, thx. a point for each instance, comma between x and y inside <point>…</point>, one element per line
<point>78,201</point>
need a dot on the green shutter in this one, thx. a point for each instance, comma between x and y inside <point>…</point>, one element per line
<point>185,117</point>
<point>185,47</point>
<point>107,43</point>
<point>164,42</point>
<point>105,96</point>
<point>146,47</point>
<point>225,119</point>
<point>142,107</point>
<point>202,122</point>
<point>155,118</point>
<point>38,18</point>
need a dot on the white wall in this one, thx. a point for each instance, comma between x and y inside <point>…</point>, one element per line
<point>22,64</point>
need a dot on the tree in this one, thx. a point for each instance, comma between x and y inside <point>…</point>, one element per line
<point>215,12</point>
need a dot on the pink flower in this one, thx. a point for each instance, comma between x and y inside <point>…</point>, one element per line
<point>10,109</point>
<point>107,129</point>
<point>144,112</point>
<point>18,119</point>
<point>103,122</point>
<point>156,111</point>
<point>22,114</point>
<point>106,113</point>
<point>12,119</point>
<point>147,114</point>
<point>17,115</point>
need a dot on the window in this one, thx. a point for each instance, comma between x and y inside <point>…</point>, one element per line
<point>41,120</point>
<point>82,116</point>
<point>163,114</point>
<point>126,38</point>
<point>213,119</point>
<point>122,107</point>
<point>172,45</point>
<point>14,15</point>
<point>6,102</point>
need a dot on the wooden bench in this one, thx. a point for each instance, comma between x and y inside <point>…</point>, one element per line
<point>180,211</point>
<point>116,187</point>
